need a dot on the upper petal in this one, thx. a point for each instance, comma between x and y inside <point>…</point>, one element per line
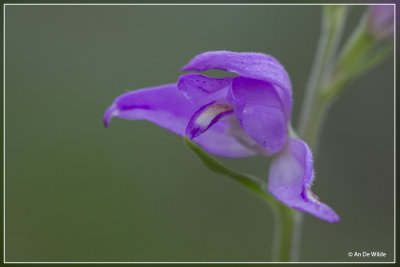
<point>290,178</point>
<point>251,65</point>
<point>260,112</point>
<point>167,107</point>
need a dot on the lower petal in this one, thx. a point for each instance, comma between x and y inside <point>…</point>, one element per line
<point>163,105</point>
<point>217,142</point>
<point>290,178</point>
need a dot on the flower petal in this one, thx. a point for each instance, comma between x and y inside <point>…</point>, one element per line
<point>290,178</point>
<point>206,117</point>
<point>250,65</point>
<point>167,107</point>
<point>259,111</point>
<point>198,87</point>
<point>163,105</point>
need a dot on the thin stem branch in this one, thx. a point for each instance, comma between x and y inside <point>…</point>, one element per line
<point>311,114</point>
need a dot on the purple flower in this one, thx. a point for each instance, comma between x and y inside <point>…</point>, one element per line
<point>234,117</point>
<point>380,21</point>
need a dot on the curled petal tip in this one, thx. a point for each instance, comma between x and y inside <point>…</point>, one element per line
<point>336,219</point>
<point>190,67</point>
<point>317,208</point>
<point>110,112</point>
<point>331,217</point>
<point>185,68</point>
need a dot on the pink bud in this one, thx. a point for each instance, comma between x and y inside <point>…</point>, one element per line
<point>380,21</point>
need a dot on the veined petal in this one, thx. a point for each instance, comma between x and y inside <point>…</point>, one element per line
<point>206,117</point>
<point>250,65</point>
<point>290,178</point>
<point>198,87</point>
<point>260,112</point>
<point>167,107</point>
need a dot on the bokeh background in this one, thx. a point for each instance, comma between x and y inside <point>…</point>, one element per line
<point>76,191</point>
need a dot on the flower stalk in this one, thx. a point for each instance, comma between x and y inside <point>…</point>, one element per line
<point>283,233</point>
<point>330,74</point>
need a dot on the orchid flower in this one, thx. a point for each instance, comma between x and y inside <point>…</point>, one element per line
<point>234,117</point>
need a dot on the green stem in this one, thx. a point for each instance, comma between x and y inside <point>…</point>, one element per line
<point>284,221</point>
<point>357,57</point>
<point>355,49</point>
<point>312,115</point>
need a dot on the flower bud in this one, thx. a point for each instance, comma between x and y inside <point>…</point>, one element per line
<point>380,21</point>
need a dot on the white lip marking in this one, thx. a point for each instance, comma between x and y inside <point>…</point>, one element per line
<point>312,196</point>
<point>210,113</point>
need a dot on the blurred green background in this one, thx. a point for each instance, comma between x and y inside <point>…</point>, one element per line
<point>76,191</point>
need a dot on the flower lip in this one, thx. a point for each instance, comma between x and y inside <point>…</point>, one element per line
<point>290,178</point>
<point>206,117</point>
